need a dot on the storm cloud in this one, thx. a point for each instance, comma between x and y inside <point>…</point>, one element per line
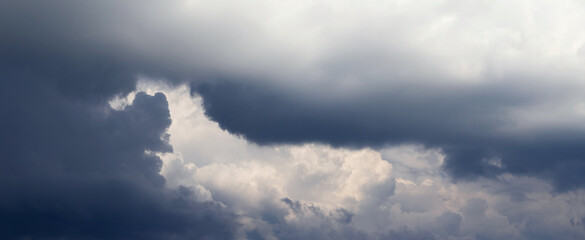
<point>74,168</point>
<point>318,93</point>
<point>474,125</point>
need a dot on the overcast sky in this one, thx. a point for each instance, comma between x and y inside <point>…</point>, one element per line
<point>189,119</point>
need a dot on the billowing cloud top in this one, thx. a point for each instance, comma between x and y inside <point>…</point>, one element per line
<point>495,87</point>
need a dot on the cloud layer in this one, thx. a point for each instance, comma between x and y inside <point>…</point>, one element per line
<point>314,191</point>
<point>331,92</point>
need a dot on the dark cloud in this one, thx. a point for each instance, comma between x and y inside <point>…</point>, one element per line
<point>75,168</point>
<point>72,167</point>
<point>466,122</point>
<point>56,43</point>
<point>96,49</point>
<point>342,215</point>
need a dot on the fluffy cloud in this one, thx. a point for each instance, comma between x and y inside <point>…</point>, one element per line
<point>376,110</point>
<point>316,191</point>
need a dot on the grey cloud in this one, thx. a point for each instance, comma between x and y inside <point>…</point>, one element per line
<point>467,123</point>
<point>332,227</point>
<point>303,208</point>
<point>341,215</point>
<point>448,223</point>
<point>475,208</point>
<point>399,93</point>
<point>315,223</point>
<point>409,234</point>
<point>75,168</point>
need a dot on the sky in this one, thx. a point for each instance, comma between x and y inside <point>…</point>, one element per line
<point>191,119</point>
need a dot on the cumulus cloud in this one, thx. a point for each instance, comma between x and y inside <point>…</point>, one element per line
<point>316,191</point>
<point>375,110</point>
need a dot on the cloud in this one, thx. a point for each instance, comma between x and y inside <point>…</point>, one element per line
<point>330,92</point>
<point>483,83</point>
<point>472,125</point>
<point>400,192</point>
<point>448,223</point>
<point>74,168</point>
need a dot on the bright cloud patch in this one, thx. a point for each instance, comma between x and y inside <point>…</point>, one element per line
<point>316,191</point>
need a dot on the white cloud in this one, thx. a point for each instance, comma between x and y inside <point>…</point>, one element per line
<point>385,190</point>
